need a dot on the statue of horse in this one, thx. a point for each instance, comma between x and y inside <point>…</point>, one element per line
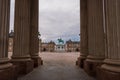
<point>60,41</point>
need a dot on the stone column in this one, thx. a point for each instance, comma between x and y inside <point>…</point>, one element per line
<point>96,42</point>
<point>34,40</point>
<point>6,68</point>
<point>83,33</point>
<point>21,48</point>
<point>110,70</point>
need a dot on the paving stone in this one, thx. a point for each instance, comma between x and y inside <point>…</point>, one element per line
<point>58,66</point>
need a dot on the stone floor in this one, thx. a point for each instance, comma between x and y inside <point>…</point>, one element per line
<point>57,66</point>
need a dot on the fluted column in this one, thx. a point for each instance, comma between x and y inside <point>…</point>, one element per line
<point>96,42</point>
<point>21,48</point>
<point>83,33</point>
<point>5,66</point>
<point>34,40</point>
<point>111,66</point>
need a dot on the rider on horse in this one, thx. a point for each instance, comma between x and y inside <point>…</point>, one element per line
<point>60,41</point>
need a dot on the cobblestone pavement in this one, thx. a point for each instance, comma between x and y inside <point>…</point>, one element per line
<point>58,66</point>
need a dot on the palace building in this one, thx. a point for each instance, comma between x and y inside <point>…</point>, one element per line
<point>48,47</point>
<point>10,44</point>
<point>72,46</point>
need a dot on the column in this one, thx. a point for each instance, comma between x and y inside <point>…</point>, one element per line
<point>111,68</point>
<point>83,33</point>
<point>21,48</point>
<point>6,68</point>
<point>34,40</point>
<point>96,42</point>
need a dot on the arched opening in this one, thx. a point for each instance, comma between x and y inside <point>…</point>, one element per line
<point>66,18</point>
<point>62,21</point>
<point>44,49</point>
<point>59,21</point>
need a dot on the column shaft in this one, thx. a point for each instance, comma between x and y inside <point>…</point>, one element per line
<point>6,68</point>
<point>111,68</point>
<point>21,48</point>
<point>34,40</point>
<point>83,33</point>
<point>4,27</point>
<point>96,42</point>
<point>22,28</point>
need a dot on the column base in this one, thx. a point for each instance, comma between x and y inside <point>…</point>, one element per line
<point>103,74</point>
<point>24,66</point>
<point>9,73</point>
<point>37,61</point>
<point>80,62</point>
<point>109,71</point>
<point>90,66</point>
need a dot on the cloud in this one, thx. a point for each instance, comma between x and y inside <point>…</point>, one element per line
<point>12,14</point>
<point>59,18</point>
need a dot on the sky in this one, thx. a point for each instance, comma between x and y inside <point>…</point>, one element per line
<point>57,19</point>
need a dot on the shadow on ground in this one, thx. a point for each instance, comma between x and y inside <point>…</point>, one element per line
<point>57,66</point>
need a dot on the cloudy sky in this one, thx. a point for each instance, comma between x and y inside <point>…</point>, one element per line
<point>57,19</point>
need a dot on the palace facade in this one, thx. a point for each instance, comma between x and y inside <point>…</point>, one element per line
<point>72,46</point>
<point>10,43</point>
<point>47,47</point>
